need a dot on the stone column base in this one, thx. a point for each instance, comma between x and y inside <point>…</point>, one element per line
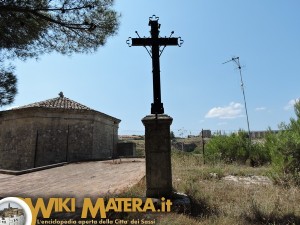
<point>158,155</point>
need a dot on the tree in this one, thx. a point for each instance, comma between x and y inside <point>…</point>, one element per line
<point>29,28</point>
<point>8,88</point>
<point>284,148</point>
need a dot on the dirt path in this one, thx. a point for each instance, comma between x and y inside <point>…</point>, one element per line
<point>87,179</point>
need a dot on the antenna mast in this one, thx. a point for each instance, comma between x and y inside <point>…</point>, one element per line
<point>237,62</point>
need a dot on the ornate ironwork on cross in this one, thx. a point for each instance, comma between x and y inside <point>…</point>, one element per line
<point>155,42</point>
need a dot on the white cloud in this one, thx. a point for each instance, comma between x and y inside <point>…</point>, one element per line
<point>260,108</point>
<point>291,104</point>
<point>233,110</point>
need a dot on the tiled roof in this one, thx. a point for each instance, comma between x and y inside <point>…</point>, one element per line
<point>60,102</point>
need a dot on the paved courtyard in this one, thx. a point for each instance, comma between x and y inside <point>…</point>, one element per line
<point>85,179</point>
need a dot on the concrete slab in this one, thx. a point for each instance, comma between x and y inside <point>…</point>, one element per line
<point>85,179</point>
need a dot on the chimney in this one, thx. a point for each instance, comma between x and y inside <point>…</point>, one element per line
<point>61,94</point>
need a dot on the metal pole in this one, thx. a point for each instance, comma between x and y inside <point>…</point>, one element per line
<point>202,136</point>
<point>243,90</point>
<point>237,61</point>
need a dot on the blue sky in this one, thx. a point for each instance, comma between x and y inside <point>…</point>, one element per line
<point>198,91</point>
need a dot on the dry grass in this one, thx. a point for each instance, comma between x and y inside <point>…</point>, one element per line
<point>216,201</point>
<point>232,203</point>
<point>219,202</point>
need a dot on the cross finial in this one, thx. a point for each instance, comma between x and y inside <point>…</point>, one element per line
<point>153,18</point>
<point>61,94</point>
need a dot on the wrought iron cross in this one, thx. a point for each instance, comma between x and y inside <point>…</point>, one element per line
<point>155,42</point>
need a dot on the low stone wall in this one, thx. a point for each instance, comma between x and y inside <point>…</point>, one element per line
<point>126,149</point>
<point>184,146</point>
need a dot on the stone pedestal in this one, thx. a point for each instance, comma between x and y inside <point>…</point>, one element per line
<point>158,155</point>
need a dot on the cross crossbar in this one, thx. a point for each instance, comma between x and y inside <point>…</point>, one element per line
<point>151,41</point>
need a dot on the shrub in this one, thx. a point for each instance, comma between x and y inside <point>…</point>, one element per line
<point>236,148</point>
<point>284,148</point>
<point>232,148</point>
<point>259,155</point>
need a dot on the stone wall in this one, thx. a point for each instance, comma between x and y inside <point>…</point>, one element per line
<point>126,149</point>
<point>186,147</point>
<point>37,137</point>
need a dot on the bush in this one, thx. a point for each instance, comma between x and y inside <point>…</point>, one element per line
<point>236,148</point>
<point>259,155</point>
<point>229,149</point>
<point>284,148</point>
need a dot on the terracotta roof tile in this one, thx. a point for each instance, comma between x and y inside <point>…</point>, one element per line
<point>61,102</point>
<point>56,103</point>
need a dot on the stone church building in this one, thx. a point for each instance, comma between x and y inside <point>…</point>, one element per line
<point>53,131</point>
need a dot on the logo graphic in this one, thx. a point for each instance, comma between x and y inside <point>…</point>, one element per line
<point>14,211</point>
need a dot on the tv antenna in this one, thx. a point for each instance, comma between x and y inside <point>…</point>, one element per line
<point>236,60</point>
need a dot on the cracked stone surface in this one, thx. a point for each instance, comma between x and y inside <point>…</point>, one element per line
<point>85,179</point>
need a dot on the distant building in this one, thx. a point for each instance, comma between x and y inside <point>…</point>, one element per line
<point>12,216</point>
<point>192,136</point>
<point>261,134</point>
<point>53,131</point>
<point>205,133</point>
